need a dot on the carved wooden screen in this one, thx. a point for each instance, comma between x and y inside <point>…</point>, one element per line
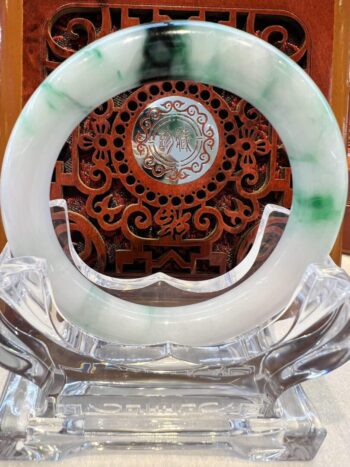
<point>130,219</point>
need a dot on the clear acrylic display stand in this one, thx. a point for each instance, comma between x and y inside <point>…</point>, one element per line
<point>70,393</point>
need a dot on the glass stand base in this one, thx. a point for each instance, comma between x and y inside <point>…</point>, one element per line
<point>70,392</point>
<point>90,417</point>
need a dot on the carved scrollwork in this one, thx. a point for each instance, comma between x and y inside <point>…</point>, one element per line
<point>86,238</point>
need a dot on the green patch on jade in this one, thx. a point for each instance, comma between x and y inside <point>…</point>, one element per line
<point>316,208</point>
<point>91,51</point>
<point>95,52</point>
<point>55,96</point>
<point>269,88</point>
<point>26,122</point>
<point>307,159</point>
<point>165,52</point>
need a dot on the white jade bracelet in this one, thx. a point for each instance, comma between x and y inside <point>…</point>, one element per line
<point>198,51</point>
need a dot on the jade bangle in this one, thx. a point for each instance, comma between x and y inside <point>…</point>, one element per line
<point>198,51</point>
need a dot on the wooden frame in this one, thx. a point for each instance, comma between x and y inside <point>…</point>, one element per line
<point>340,85</point>
<point>11,18</point>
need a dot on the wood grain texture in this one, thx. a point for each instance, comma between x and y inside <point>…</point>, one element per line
<point>339,99</point>
<point>11,18</point>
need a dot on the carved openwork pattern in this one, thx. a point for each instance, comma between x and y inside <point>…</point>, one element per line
<point>132,218</point>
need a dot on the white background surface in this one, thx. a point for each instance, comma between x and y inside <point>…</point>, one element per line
<point>330,396</point>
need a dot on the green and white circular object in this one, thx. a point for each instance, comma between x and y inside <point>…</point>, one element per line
<point>207,53</point>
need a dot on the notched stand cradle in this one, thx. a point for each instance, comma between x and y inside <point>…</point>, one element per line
<point>69,393</point>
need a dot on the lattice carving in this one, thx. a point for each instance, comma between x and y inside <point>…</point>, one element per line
<point>128,223</point>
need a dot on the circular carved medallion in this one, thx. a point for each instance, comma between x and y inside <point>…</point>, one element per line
<point>175,140</point>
